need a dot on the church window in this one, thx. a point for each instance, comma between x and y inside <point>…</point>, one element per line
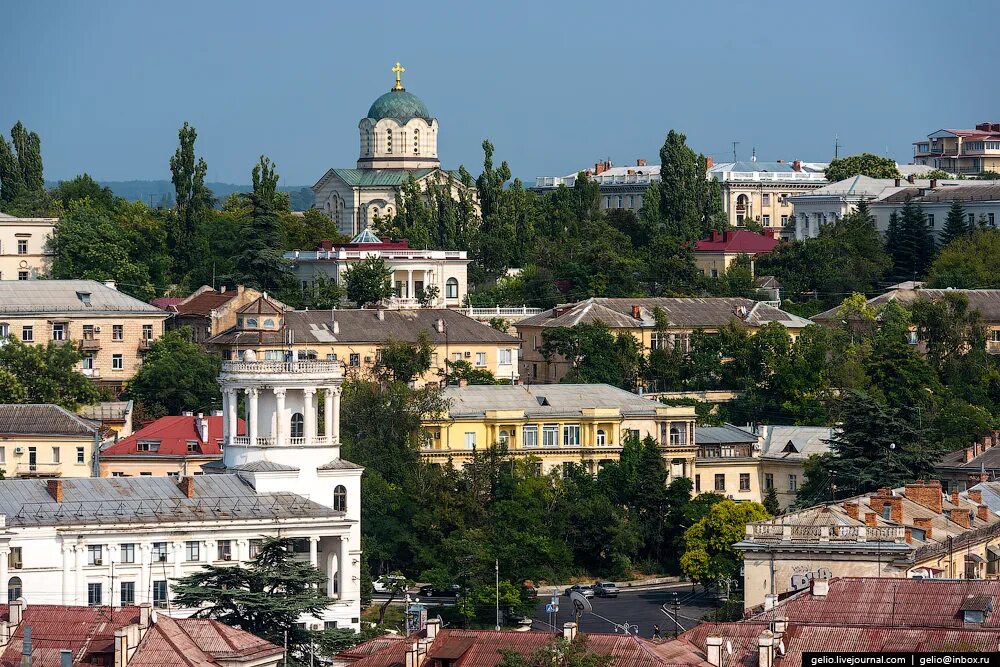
<point>416,141</point>
<point>340,498</point>
<point>388,140</point>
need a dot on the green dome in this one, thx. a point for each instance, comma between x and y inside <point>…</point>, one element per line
<point>400,105</point>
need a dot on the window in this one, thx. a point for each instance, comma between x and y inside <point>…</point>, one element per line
<point>14,589</point>
<point>159,552</point>
<point>355,360</point>
<point>602,438</point>
<point>147,332</point>
<point>530,436</point>
<point>117,473</point>
<point>225,550</point>
<point>55,455</point>
<point>255,546</point>
<point>784,221</point>
<point>127,553</point>
<point>505,356</point>
<point>887,512</point>
<point>95,597</point>
<point>27,334</point>
<point>148,446</point>
<point>550,435</point>
<point>744,481</point>
<point>88,361</point>
<point>80,456</point>
<point>930,220</point>
<point>58,332</point>
<point>192,551</point>
<point>14,561</point>
<point>720,482</point>
<point>117,332</point>
<point>470,440</point>
<point>4,329</point>
<point>22,246</point>
<point>95,553</point>
<point>504,438</point>
<point>128,593</point>
<point>117,362</point>
<point>793,482</point>
<point>619,202</point>
<point>160,593</point>
<point>697,483</point>
<point>480,358</point>
<point>765,220</point>
<point>991,219</point>
<point>298,425</point>
<point>22,275</point>
<point>972,219</point>
<point>340,498</point>
<point>768,481</point>
<point>451,288</point>
<point>330,625</point>
<point>765,199</point>
<point>571,435</point>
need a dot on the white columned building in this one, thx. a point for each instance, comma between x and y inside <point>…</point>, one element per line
<point>126,540</point>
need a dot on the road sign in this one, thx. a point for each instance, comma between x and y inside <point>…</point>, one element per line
<point>551,608</point>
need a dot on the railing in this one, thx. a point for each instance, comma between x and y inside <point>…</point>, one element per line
<point>40,469</point>
<point>413,253</point>
<point>91,372</point>
<point>807,533</point>
<point>401,302</point>
<point>501,311</point>
<point>280,366</point>
<point>317,441</point>
<point>145,343</point>
<point>780,176</point>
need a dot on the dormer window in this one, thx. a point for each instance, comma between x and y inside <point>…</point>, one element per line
<point>148,446</point>
<point>251,323</point>
<point>84,298</point>
<point>790,448</point>
<point>269,323</point>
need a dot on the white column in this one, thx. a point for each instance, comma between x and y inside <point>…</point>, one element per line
<point>328,415</point>
<point>279,417</point>
<point>409,283</point>
<point>252,416</point>
<point>4,554</point>
<point>344,563</point>
<point>144,594</point>
<point>314,551</point>
<point>80,586</point>
<point>309,414</point>
<point>335,417</point>
<point>231,411</point>
<point>67,585</point>
<point>331,575</point>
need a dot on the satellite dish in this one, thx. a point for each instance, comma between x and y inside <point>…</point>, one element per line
<point>729,647</point>
<point>580,603</point>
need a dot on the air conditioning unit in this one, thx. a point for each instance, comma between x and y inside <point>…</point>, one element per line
<point>98,561</point>
<point>97,329</point>
<point>227,557</point>
<point>468,355</point>
<point>316,626</point>
<point>19,450</point>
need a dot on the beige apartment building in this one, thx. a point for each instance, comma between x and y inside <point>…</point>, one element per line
<point>42,440</point>
<point>552,425</point>
<point>111,329</point>
<point>961,152</point>
<point>209,312</point>
<point>355,338</point>
<point>23,255</point>
<point>638,317</point>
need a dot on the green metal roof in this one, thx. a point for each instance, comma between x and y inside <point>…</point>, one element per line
<point>400,105</point>
<point>378,177</point>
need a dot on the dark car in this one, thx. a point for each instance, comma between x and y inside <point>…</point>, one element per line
<point>585,590</point>
<point>429,591</point>
<point>606,589</point>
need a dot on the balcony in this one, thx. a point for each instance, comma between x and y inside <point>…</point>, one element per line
<point>39,470</point>
<point>276,367</point>
<point>91,372</point>
<point>145,344</point>
<point>736,451</point>
<point>90,345</point>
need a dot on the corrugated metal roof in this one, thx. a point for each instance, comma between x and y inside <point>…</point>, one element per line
<point>543,400</point>
<point>106,411</point>
<point>806,441</point>
<point>379,177</point>
<point>68,296</point>
<point>42,419</point>
<point>986,301</point>
<point>725,434</point>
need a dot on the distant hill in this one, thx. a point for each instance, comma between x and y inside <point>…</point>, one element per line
<point>161,193</point>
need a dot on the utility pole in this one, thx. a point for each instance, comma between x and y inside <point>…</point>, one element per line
<point>836,146</point>
<point>497,569</point>
<point>677,623</point>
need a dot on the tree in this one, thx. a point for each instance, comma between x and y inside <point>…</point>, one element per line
<point>265,597</point>
<point>325,293</point>
<point>395,585</point>
<point>558,653</point>
<point>709,556</point>
<point>690,203</point>
<point>176,375</point>
<point>368,282</point>
<point>914,247</point>
<point>402,362</point>
<point>937,174</point>
<point>193,200</point>
<point>307,231</point>
<point>865,164</point>
<point>595,354</point>
<point>771,503</point>
<point>43,374</point>
<point>260,262</point>
<point>971,261</point>
<point>955,225</point>
<point>83,187</point>
<point>21,180</point>
<point>460,370</point>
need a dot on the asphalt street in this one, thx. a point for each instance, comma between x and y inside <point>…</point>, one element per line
<point>639,610</point>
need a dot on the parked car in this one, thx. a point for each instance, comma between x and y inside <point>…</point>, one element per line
<point>381,585</point>
<point>585,590</point>
<point>429,591</point>
<point>606,589</point>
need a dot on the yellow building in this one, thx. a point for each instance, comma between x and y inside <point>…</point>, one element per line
<point>43,440</point>
<point>556,424</point>
<point>355,338</point>
<point>961,152</point>
<point>209,312</point>
<point>23,252</point>
<point>638,317</point>
<point>113,330</point>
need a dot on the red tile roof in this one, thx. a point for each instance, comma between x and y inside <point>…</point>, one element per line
<point>737,241</point>
<point>204,303</point>
<point>197,642</point>
<point>173,434</point>
<point>165,302</point>
<point>83,630</point>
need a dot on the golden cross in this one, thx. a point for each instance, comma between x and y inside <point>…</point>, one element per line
<point>398,69</point>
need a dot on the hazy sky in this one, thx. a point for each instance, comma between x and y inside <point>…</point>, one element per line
<point>554,85</point>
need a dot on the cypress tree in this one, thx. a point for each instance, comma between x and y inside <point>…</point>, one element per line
<point>955,225</point>
<point>260,263</point>
<point>21,166</point>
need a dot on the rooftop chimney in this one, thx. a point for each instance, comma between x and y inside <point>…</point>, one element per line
<point>336,328</point>
<point>640,163</point>
<point>5,633</point>
<point>145,615</point>
<point>933,183</point>
<point>463,382</point>
<point>439,325</point>
<point>898,180</point>
<point>852,510</point>
<point>412,656</point>
<point>110,284</point>
<point>16,612</point>
<point>569,631</point>
<point>187,486</point>
<point>202,427</point>
<point>870,519</point>
<point>924,524</point>
<point>983,512</point>
<point>713,650</point>
<point>433,625</point>
<point>911,179</point>
<point>636,312</point>
<point>797,165</point>
<point>954,497</point>
<point>26,647</point>
<point>765,649</point>
<point>975,495</point>
<point>770,600</point>
<point>380,314</point>
<point>961,516</point>
<point>709,162</point>
<point>55,489</point>
<point>925,494</point>
<point>820,587</point>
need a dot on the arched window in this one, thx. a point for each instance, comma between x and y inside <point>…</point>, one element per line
<point>14,589</point>
<point>504,437</point>
<point>451,288</point>
<point>298,428</point>
<point>602,438</point>
<point>340,498</point>
<point>374,210</point>
<point>268,323</point>
<point>251,323</point>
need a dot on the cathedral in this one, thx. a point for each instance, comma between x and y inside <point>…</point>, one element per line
<point>398,138</point>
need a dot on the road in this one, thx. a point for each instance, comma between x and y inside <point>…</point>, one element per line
<point>640,609</point>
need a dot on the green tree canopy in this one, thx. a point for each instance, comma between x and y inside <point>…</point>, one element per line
<point>596,354</point>
<point>709,556</point>
<point>43,374</point>
<point>22,186</point>
<point>399,361</point>
<point>193,200</point>
<point>368,282</point>
<point>175,376</point>
<point>970,261</point>
<point>864,164</point>
<point>260,262</point>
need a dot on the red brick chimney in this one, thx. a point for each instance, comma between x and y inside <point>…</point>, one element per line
<point>870,519</point>
<point>975,495</point>
<point>55,489</point>
<point>969,454</point>
<point>983,512</point>
<point>640,163</point>
<point>636,312</point>
<point>925,494</point>
<point>924,524</point>
<point>851,509</point>
<point>954,497</point>
<point>908,532</point>
<point>709,162</point>
<point>898,182</point>
<point>933,183</point>
<point>187,486</point>
<point>961,516</point>
<point>911,179</point>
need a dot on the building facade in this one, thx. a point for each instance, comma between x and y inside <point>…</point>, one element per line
<point>961,152</point>
<point>399,140</point>
<point>416,274</point>
<point>981,203</point>
<point>23,251</point>
<point>111,329</point>
<point>208,312</point>
<point>97,541</point>
<point>638,318</point>
<point>621,187</point>
<point>555,425</point>
<point>354,338</point>
<point>42,440</point>
<point>713,255</point>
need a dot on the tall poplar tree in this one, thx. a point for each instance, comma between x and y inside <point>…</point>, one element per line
<point>193,199</point>
<point>20,166</point>
<point>690,203</point>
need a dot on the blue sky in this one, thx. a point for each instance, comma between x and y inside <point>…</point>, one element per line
<point>554,85</point>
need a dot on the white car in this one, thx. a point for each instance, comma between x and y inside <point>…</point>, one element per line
<point>382,584</point>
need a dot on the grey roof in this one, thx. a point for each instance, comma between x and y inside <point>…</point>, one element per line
<point>101,500</point>
<point>364,326</point>
<point>106,411</point>
<point>544,400</point>
<point>24,297</point>
<point>42,419</point>
<point>682,313</point>
<point>340,464</point>
<point>725,434</point>
<point>795,443</point>
<point>264,466</point>
<point>986,301</point>
<point>985,191</point>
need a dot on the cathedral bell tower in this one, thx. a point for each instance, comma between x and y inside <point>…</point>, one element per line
<point>398,132</point>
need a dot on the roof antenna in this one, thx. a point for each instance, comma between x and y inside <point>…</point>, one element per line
<point>836,146</point>
<point>753,154</point>
<point>735,144</point>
